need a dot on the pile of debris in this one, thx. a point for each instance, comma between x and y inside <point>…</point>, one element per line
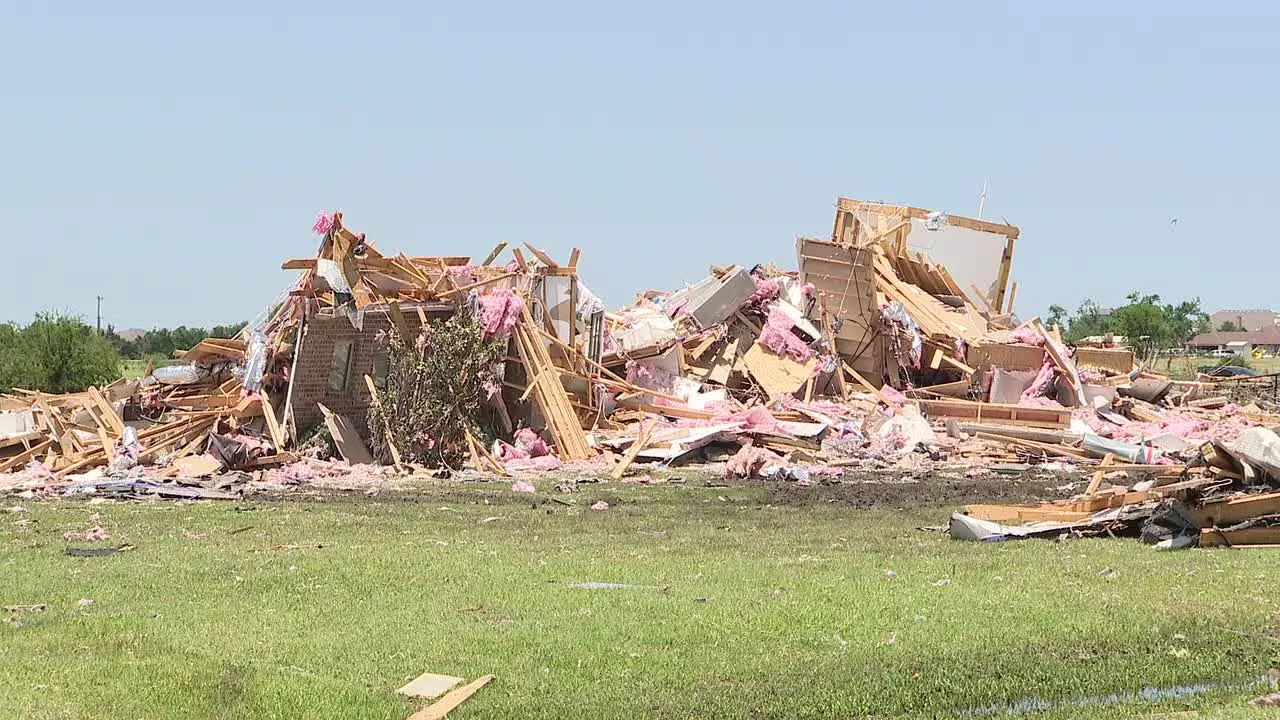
<point>191,421</point>
<point>893,344</point>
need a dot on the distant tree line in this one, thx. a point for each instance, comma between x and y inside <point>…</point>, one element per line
<point>163,342</point>
<point>1148,325</point>
<point>61,353</point>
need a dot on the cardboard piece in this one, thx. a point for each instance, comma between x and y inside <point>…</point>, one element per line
<point>197,466</point>
<point>429,685</point>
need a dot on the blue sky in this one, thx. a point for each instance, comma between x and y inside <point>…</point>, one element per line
<point>170,158</point>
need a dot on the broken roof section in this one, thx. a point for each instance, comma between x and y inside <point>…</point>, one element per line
<point>976,254</point>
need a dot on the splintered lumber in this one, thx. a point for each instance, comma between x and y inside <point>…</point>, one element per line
<point>25,456</point>
<point>682,412</point>
<point>830,337</point>
<point>1058,450</point>
<point>957,389</point>
<point>493,255</point>
<point>998,413</point>
<point>440,708</point>
<point>273,425</point>
<point>1064,365</point>
<point>376,403</point>
<point>1053,437</point>
<point>22,439</point>
<point>549,395</point>
<point>347,440</point>
<point>1025,513</point>
<point>1261,535</point>
<point>630,456</point>
<point>397,320</point>
<point>107,413</point>
<point>542,256</point>
<point>1234,510</point>
<point>1096,480</point>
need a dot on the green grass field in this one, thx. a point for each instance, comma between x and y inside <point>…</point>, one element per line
<point>1184,368</point>
<point>745,609</point>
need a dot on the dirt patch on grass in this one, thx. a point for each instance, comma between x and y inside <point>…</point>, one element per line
<point>867,490</point>
<point>857,489</point>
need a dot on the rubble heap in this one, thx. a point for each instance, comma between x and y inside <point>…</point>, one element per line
<point>893,344</point>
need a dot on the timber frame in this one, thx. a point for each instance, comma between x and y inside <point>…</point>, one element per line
<point>849,230</point>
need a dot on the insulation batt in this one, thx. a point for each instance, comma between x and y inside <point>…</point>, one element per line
<point>777,336</point>
<point>499,312</point>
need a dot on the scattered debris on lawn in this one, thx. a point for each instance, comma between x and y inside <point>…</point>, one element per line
<point>97,551</point>
<point>893,345</point>
<point>429,685</point>
<point>440,708</point>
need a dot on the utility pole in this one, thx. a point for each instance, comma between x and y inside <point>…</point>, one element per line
<point>99,314</point>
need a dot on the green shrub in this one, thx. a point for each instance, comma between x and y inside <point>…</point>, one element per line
<point>56,353</point>
<point>435,391</point>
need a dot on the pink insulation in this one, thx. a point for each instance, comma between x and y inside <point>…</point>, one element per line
<point>1044,379</point>
<point>749,461</point>
<point>521,486</point>
<point>544,463</point>
<point>1027,335</point>
<point>499,312</point>
<point>530,444</point>
<point>757,419</point>
<point>323,224</point>
<point>766,289</point>
<point>777,336</point>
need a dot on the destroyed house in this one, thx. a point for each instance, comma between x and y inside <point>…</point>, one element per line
<point>350,297</point>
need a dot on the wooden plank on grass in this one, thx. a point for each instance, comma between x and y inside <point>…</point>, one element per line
<point>440,708</point>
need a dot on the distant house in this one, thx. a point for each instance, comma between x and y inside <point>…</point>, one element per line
<point>1240,343</point>
<point>1247,320</point>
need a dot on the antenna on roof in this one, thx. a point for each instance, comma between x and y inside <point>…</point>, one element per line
<point>982,201</point>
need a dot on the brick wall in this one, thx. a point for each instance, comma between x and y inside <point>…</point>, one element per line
<point>311,382</point>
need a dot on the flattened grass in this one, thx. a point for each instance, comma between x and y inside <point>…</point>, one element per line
<point>744,610</point>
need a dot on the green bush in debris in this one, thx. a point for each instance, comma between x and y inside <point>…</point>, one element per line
<point>435,391</point>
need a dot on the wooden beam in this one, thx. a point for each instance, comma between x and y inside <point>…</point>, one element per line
<point>397,319</point>
<point>25,456</point>
<point>273,424</point>
<point>1234,510</point>
<point>646,431</point>
<point>493,254</point>
<point>542,256</point>
<point>998,413</point>
<point>1096,480</point>
<point>855,206</point>
<point>520,261</point>
<point>440,708</point>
